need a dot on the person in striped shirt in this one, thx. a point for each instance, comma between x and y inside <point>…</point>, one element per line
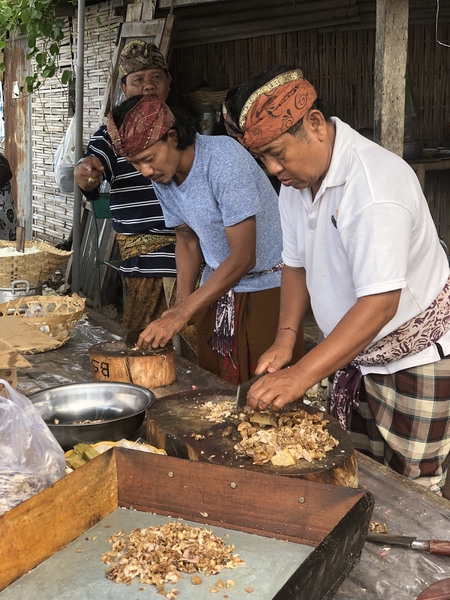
<point>147,246</point>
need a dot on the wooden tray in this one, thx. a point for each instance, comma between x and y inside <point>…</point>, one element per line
<point>333,520</point>
<point>172,419</point>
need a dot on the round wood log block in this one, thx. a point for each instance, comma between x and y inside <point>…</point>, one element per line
<point>177,424</point>
<point>114,361</point>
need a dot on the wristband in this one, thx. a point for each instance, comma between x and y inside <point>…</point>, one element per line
<point>283,328</point>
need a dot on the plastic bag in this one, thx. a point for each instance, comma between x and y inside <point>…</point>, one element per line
<point>64,163</point>
<point>30,458</point>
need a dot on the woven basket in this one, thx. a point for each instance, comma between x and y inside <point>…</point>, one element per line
<point>55,315</point>
<point>207,97</point>
<point>34,268</point>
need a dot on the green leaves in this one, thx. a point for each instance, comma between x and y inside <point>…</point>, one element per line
<point>36,20</point>
<point>66,77</point>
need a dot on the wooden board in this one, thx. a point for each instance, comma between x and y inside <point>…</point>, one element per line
<point>173,419</point>
<point>333,520</point>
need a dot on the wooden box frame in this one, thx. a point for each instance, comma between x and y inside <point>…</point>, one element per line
<point>332,519</point>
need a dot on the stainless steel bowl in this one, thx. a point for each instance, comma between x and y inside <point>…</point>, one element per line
<point>120,407</point>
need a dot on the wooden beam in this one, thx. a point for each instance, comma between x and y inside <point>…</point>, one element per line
<point>390,73</point>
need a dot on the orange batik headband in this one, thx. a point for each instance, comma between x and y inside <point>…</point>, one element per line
<point>274,108</point>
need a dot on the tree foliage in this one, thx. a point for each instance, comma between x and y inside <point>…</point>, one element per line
<point>36,19</point>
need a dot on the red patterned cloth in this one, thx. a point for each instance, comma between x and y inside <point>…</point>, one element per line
<point>144,125</point>
<point>274,108</point>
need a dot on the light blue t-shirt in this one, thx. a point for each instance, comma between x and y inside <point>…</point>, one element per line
<point>224,187</point>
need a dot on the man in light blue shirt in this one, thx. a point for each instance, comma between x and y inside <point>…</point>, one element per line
<point>224,209</point>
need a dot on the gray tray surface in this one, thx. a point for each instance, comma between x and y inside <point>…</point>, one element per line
<point>69,574</point>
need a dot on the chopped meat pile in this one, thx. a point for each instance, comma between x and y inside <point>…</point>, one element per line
<point>284,438</point>
<point>160,554</point>
<point>219,412</point>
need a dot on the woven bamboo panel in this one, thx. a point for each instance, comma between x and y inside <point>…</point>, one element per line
<point>35,267</point>
<point>340,64</point>
<point>54,315</point>
<point>53,210</point>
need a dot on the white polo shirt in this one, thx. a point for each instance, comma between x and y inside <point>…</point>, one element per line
<point>368,231</point>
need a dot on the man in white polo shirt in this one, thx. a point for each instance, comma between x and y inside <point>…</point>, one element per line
<point>359,247</point>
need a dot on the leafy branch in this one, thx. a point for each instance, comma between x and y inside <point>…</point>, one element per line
<point>36,19</point>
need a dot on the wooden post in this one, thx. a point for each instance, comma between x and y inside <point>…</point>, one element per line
<point>390,73</point>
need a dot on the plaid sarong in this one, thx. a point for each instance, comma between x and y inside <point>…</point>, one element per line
<point>404,422</point>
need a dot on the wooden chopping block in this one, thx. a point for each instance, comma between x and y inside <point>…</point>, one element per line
<point>174,421</point>
<point>114,361</point>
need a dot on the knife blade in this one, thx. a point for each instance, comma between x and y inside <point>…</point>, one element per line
<point>432,546</point>
<point>242,391</point>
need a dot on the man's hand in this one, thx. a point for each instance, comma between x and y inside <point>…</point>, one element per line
<point>159,333</point>
<point>88,174</point>
<point>275,390</point>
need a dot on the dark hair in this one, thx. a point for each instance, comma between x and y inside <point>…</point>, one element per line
<point>120,111</point>
<point>184,123</point>
<point>185,127</point>
<point>238,96</point>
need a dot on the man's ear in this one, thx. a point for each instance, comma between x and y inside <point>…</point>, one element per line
<point>123,87</point>
<point>316,122</point>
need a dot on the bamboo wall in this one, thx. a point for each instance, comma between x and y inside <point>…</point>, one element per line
<point>52,210</point>
<point>339,64</point>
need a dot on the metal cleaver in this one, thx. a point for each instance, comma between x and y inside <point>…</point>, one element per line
<point>241,396</point>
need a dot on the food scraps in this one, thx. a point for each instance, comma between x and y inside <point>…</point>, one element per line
<point>160,554</point>
<point>287,438</point>
<point>378,527</point>
<point>219,412</point>
<point>281,438</point>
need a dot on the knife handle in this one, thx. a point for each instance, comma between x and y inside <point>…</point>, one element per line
<point>440,547</point>
<point>432,546</point>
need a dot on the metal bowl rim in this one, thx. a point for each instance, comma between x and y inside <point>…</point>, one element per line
<point>151,400</point>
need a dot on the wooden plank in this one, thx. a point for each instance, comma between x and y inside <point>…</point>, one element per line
<point>39,527</point>
<point>166,40</point>
<point>134,11</point>
<point>148,10</point>
<point>143,29</point>
<point>390,72</point>
<point>232,497</point>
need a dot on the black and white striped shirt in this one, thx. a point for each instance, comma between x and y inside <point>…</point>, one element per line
<point>134,207</point>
